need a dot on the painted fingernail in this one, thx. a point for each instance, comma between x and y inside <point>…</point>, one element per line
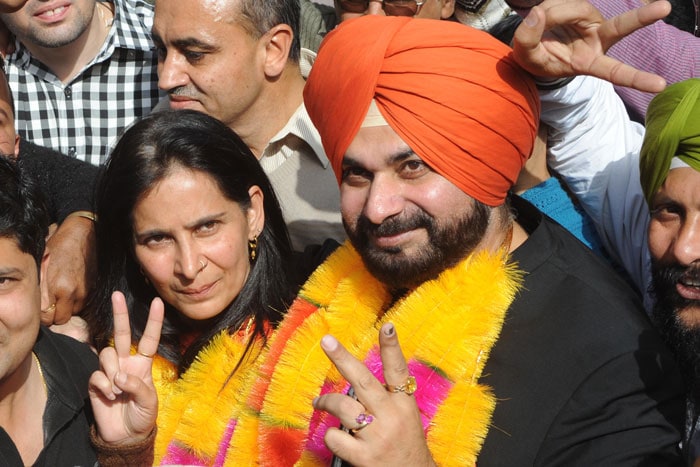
<point>389,329</point>
<point>329,343</point>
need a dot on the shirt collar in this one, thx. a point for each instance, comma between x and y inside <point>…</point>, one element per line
<point>132,30</point>
<point>59,378</point>
<point>300,126</point>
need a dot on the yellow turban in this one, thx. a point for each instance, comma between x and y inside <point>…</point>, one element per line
<point>672,129</point>
<point>452,93</point>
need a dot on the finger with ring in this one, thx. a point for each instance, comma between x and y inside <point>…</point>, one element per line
<point>409,386</point>
<point>144,354</point>
<point>362,421</point>
<point>50,309</point>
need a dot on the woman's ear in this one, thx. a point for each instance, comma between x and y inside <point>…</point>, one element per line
<point>256,212</point>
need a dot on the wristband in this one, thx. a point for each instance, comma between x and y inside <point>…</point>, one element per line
<point>553,84</point>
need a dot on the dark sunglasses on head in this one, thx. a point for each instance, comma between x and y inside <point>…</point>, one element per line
<point>390,7</point>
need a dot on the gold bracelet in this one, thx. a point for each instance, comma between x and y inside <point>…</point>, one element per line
<point>85,214</point>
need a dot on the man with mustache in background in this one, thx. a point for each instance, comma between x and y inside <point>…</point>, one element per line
<point>240,61</point>
<point>670,177</point>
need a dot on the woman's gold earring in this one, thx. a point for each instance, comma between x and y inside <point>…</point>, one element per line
<point>253,248</point>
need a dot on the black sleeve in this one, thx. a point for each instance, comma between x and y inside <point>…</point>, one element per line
<point>629,412</point>
<point>66,183</point>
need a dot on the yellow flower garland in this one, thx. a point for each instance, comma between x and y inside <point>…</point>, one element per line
<point>449,323</point>
<point>196,409</point>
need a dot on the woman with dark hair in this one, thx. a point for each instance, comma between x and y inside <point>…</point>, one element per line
<point>186,216</point>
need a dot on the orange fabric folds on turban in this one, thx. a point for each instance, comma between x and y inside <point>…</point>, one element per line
<point>452,93</point>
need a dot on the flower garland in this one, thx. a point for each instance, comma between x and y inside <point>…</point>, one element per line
<point>197,412</point>
<point>446,328</point>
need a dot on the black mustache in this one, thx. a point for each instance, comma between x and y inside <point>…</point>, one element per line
<point>394,225</point>
<point>691,275</point>
<point>665,278</point>
<point>675,273</point>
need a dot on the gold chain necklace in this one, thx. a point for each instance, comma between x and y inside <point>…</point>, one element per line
<point>41,373</point>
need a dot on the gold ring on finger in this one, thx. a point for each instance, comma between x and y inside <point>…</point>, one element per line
<point>409,386</point>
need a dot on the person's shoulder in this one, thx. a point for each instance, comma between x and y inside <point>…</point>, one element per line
<point>47,162</point>
<point>76,354</point>
<point>316,21</point>
<point>29,148</point>
<point>588,277</point>
<point>569,281</point>
<point>138,6</point>
<point>137,15</point>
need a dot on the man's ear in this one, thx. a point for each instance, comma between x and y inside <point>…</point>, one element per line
<point>278,42</point>
<point>43,265</point>
<point>448,9</point>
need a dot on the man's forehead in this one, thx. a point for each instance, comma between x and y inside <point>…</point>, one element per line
<point>682,185</point>
<point>684,172</point>
<point>179,25</point>
<point>220,9</point>
<point>377,142</point>
<point>378,148</point>
<point>195,11</point>
<point>12,258</point>
<point>378,160</point>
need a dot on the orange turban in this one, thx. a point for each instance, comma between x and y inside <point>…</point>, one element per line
<point>452,93</point>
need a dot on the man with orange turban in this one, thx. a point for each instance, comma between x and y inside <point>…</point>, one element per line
<point>517,347</point>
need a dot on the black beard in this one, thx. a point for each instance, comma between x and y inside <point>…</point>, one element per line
<point>447,245</point>
<point>682,339</point>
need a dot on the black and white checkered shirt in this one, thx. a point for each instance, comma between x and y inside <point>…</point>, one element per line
<point>84,117</point>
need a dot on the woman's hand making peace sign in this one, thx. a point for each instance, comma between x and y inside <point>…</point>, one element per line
<point>122,393</point>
